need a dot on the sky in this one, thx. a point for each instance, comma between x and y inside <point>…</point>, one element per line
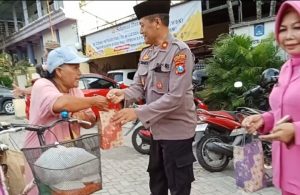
<point>98,13</point>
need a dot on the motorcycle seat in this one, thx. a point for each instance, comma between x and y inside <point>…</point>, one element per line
<point>233,115</point>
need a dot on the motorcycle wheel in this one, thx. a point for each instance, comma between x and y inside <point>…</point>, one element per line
<point>138,143</point>
<point>207,158</point>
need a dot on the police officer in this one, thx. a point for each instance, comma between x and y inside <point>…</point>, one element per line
<point>164,79</point>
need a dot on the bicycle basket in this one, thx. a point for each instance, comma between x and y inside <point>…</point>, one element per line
<point>70,168</point>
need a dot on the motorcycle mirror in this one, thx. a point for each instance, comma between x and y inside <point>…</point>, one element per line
<point>238,84</point>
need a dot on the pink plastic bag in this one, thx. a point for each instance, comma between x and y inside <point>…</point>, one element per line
<point>110,134</point>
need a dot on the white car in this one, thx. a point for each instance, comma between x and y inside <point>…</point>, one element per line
<point>122,76</point>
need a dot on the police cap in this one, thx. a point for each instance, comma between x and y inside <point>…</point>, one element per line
<point>151,7</point>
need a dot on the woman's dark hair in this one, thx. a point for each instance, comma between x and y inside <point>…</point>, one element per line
<point>44,73</point>
<point>49,75</point>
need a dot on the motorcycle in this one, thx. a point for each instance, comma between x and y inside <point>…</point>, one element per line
<point>240,138</point>
<point>215,149</point>
<point>141,136</point>
<point>198,79</point>
<point>219,126</point>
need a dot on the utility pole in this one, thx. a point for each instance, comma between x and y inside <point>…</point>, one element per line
<point>258,9</point>
<point>50,21</point>
<point>230,12</point>
<point>272,8</point>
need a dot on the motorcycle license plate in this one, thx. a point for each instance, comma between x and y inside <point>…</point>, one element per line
<point>201,127</point>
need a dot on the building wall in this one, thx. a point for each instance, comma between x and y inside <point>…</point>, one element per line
<point>266,28</point>
<point>47,36</point>
<point>68,35</point>
<point>38,53</point>
<point>257,34</point>
<point>213,31</point>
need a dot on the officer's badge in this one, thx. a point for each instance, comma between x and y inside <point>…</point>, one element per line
<point>159,85</point>
<point>179,61</point>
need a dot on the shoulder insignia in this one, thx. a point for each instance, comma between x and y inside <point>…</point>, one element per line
<point>179,61</point>
<point>145,57</point>
<point>143,54</point>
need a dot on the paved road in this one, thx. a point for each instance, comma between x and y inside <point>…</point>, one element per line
<point>124,173</point>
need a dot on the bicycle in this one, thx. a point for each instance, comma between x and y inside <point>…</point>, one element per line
<point>11,169</point>
<point>67,167</point>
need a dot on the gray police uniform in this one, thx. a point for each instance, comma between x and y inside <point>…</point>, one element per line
<point>164,79</point>
<point>169,108</point>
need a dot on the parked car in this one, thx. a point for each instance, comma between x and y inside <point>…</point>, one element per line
<point>96,84</point>
<point>6,102</point>
<point>91,84</point>
<point>122,76</point>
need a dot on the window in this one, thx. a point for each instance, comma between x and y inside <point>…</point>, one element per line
<point>116,76</point>
<point>96,83</point>
<point>81,85</point>
<point>130,75</point>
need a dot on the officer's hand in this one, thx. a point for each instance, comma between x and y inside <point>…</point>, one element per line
<point>253,123</point>
<point>115,95</point>
<point>125,115</point>
<point>100,102</point>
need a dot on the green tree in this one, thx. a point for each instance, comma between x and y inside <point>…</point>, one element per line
<point>8,66</point>
<point>236,58</point>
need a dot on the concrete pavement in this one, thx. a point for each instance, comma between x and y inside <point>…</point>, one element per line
<point>124,172</point>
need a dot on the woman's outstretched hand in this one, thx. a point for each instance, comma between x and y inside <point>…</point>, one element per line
<point>100,102</point>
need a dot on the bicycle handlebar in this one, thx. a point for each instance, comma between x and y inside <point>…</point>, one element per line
<point>12,130</point>
<point>80,121</point>
<point>42,128</point>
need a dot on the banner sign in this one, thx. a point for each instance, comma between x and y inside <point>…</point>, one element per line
<point>185,24</point>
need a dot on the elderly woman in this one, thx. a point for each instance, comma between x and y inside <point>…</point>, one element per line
<point>284,100</point>
<point>20,91</point>
<point>57,92</point>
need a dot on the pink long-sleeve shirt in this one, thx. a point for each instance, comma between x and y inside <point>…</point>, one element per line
<point>43,96</point>
<point>284,100</point>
